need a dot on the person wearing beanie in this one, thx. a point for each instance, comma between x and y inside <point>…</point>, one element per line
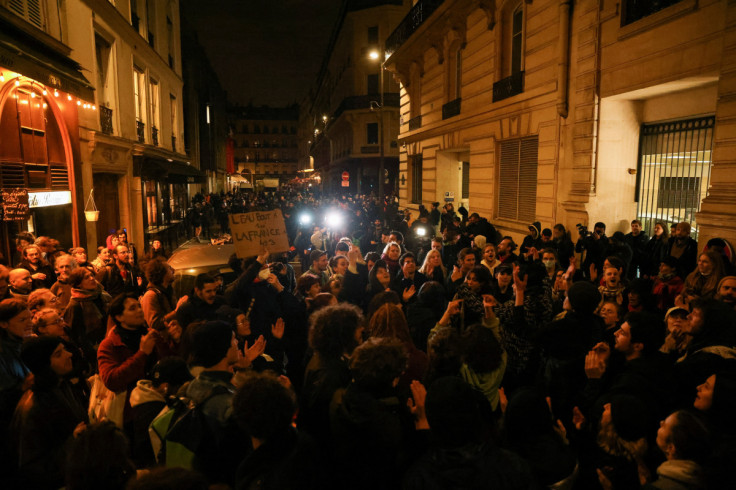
<point>48,414</point>
<point>727,291</point>
<point>462,454</point>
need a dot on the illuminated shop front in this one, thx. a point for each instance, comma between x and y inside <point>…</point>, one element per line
<point>41,94</point>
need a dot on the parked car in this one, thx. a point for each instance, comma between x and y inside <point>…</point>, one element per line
<point>194,258</point>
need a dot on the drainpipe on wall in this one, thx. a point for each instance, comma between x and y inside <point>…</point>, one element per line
<point>563,56</point>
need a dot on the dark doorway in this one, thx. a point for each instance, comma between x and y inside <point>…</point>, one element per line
<point>106,198</point>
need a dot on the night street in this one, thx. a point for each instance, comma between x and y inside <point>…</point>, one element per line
<point>367,244</point>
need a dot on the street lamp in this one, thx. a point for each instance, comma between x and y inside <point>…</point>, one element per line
<point>376,55</point>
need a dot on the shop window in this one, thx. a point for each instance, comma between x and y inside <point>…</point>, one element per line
<point>517,179</point>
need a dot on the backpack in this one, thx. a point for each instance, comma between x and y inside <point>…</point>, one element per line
<point>178,434</point>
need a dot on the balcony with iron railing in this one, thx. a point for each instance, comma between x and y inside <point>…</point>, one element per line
<point>140,129</point>
<point>634,10</point>
<point>154,135</point>
<point>451,109</point>
<point>357,102</point>
<point>415,122</point>
<point>420,12</point>
<point>508,87</point>
<point>105,119</point>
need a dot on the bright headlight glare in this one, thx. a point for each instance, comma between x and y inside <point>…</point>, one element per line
<point>421,231</point>
<point>305,219</point>
<point>333,219</point>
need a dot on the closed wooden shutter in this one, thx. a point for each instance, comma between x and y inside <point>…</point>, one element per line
<point>30,10</point>
<point>517,179</point>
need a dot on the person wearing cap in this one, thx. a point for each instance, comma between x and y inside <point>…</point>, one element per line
<point>667,285</point>
<point>676,338</point>
<point>48,414</point>
<point>148,399</point>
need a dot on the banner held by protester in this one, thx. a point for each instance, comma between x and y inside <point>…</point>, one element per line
<point>253,231</point>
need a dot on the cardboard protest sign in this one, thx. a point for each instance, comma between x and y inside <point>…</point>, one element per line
<point>253,231</point>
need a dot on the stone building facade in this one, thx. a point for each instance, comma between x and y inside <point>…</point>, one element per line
<point>569,112</point>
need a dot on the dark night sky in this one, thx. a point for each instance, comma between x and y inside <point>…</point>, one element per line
<point>264,51</point>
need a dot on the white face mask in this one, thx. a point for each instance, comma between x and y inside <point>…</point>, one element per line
<point>263,274</point>
<point>549,264</point>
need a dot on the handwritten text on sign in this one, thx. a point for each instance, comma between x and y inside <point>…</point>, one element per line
<point>15,204</point>
<point>253,231</point>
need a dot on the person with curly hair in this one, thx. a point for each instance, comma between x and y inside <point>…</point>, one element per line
<point>335,331</point>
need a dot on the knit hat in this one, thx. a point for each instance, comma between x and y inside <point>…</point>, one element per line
<point>36,353</point>
<point>228,314</point>
<point>629,416</point>
<point>584,297</point>
<point>172,370</point>
<point>480,242</point>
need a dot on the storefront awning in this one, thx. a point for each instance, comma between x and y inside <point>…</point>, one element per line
<point>47,67</point>
<point>173,172</point>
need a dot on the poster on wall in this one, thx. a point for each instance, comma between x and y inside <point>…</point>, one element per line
<point>257,230</point>
<point>15,204</point>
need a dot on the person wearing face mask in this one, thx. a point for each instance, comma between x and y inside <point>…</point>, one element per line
<point>667,284</point>
<point>551,265</point>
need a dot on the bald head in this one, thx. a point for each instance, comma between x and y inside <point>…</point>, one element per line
<point>20,280</point>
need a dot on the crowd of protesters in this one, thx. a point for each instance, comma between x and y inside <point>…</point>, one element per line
<point>426,353</point>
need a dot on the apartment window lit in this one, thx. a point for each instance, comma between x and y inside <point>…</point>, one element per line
<point>207,109</point>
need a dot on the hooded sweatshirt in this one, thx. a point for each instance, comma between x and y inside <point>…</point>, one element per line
<point>679,474</point>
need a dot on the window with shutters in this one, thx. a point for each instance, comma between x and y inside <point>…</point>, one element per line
<point>466,180</point>
<point>416,178</point>
<point>139,80</point>
<point>517,179</point>
<point>30,10</point>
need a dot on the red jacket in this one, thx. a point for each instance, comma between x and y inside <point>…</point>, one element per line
<point>666,292</point>
<point>120,367</point>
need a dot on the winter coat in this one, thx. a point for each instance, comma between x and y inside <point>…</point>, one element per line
<point>43,425</point>
<point>156,303</point>
<point>288,460</point>
<point>145,403</point>
<point>678,474</point>
<point>195,309</point>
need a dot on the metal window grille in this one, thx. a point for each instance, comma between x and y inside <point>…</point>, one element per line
<point>673,172</point>
<point>517,179</point>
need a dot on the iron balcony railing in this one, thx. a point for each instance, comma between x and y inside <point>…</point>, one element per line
<point>420,12</point>
<point>634,10</point>
<point>451,109</point>
<point>415,122</point>
<point>364,102</point>
<point>106,119</point>
<point>508,87</point>
<point>154,135</point>
<point>140,130</point>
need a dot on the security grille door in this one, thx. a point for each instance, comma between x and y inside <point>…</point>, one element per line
<point>673,171</point>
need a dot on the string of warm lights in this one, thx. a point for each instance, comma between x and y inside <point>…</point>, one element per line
<point>18,78</point>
